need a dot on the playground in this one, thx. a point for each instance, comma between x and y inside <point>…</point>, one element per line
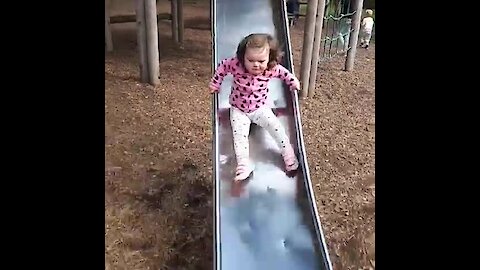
<point>158,150</point>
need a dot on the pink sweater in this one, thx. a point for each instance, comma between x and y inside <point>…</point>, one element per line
<point>249,92</point>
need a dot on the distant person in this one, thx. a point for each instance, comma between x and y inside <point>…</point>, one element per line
<point>255,64</point>
<point>343,33</point>
<point>293,11</point>
<point>366,29</point>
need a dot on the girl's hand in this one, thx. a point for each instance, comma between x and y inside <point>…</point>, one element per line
<point>213,89</point>
<point>295,84</point>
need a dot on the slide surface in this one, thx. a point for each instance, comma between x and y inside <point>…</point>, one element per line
<point>273,222</point>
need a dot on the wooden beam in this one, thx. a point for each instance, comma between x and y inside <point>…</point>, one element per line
<point>152,42</point>
<point>316,47</point>
<point>354,36</point>
<point>141,39</point>
<point>108,31</point>
<point>132,18</point>
<point>308,37</point>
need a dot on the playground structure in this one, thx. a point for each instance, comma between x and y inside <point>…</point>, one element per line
<point>346,32</point>
<point>175,17</point>
<point>336,29</point>
<point>147,18</point>
<point>340,26</point>
<point>274,224</point>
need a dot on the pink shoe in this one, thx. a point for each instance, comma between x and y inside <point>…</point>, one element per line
<point>243,172</point>
<point>291,161</point>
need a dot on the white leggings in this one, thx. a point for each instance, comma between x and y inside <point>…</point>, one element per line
<point>365,37</point>
<point>263,117</point>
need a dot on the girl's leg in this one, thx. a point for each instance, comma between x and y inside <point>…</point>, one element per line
<point>368,36</point>
<point>342,40</point>
<point>347,40</point>
<point>240,128</point>
<point>265,118</point>
<point>362,38</point>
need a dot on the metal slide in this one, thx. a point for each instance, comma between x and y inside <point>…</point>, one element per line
<point>273,223</point>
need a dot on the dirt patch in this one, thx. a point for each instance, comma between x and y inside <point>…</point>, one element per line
<point>158,188</point>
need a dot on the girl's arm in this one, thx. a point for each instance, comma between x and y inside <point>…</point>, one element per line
<point>285,75</point>
<point>225,67</point>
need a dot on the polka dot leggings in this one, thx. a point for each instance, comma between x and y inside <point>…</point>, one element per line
<point>265,118</point>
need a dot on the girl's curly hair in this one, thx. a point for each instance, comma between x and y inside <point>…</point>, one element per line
<point>260,40</point>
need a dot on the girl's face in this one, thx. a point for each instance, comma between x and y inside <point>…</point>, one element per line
<point>256,59</point>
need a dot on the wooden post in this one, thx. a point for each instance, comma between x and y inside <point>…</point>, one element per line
<point>181,24</point>
<point>174,12</point>
<point>316,48</point>
<point>210,13</point>
<point>142,39</point>
<point>152,42</point>
<point>108,31</point>
<point>308,46</point>
<point>157,19</point>
<point>354,36</point>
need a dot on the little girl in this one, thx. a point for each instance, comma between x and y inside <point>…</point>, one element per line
<point>256,63</point>
<point>366,29</point>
